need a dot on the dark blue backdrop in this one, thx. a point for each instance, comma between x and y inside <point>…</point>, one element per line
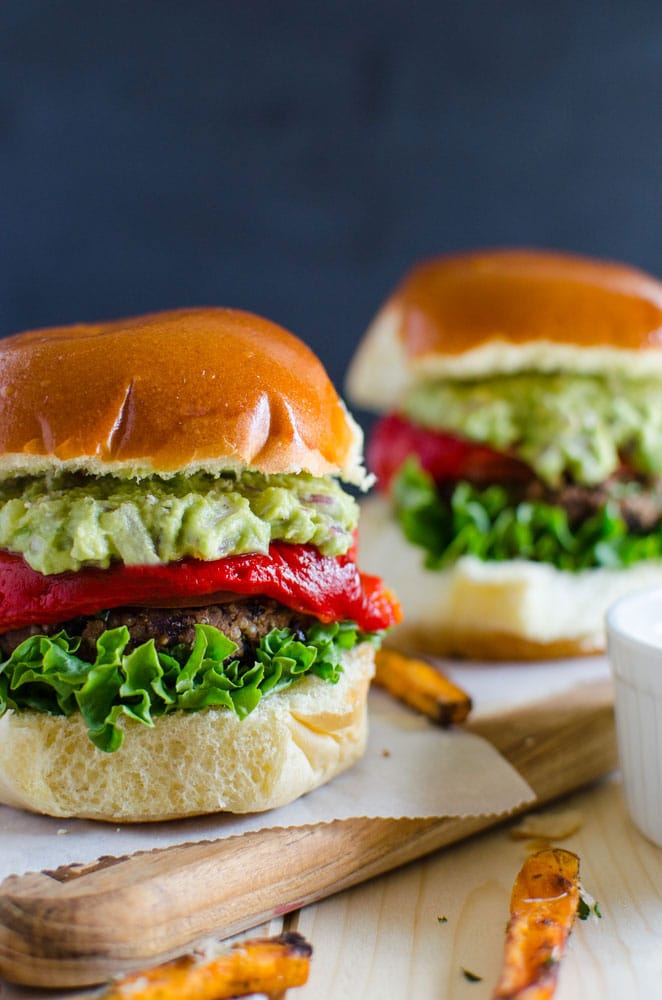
<point>293,157</point>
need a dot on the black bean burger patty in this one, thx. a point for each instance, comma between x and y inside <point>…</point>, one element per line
<point>641,510</point>
<point>243,621</point>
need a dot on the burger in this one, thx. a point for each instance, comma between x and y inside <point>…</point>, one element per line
<point>519,454</point>
<point>183,627</point>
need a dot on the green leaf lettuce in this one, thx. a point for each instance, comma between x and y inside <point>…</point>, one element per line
<point>46,674</point>
<point>489,524</point>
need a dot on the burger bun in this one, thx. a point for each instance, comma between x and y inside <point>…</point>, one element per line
<point>502,312</point>
<point>191,763</point>
<point>193,390</point>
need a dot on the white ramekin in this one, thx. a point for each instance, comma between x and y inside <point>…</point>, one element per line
<point>634,636</point>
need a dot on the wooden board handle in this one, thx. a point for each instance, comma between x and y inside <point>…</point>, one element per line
<point>80,924</point>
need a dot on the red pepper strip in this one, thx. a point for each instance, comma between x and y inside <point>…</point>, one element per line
<point>446,457</point>
<point>331,589</point>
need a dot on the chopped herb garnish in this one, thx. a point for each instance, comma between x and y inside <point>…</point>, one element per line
<point>471,977</point>
<point>442,920</point>
<point>587,906</point>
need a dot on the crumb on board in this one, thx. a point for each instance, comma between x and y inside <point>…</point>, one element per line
<point>548,825</point>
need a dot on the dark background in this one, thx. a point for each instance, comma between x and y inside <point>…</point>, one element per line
<point>293,157</point>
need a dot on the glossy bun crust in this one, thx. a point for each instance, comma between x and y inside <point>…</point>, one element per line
<point>454,304</point>
<point>184,391</point>
<point>497,312</point>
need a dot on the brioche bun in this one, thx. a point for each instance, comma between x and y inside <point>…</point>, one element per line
<point>185,391</point>
<point>515,610</point>
<point>191,763</point>
<point>499,312</point>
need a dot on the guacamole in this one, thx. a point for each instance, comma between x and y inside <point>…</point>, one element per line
<point>566,427</point>
<point>69,521</point>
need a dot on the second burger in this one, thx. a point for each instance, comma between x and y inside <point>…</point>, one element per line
<point>520,455</point>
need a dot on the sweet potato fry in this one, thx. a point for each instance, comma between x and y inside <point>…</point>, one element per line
<point>261,965</point>
<point>543,907</point>
<point>421,686</point>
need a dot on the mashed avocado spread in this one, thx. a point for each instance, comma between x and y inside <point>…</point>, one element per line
<point>68,521</point>
<point>572,427</point>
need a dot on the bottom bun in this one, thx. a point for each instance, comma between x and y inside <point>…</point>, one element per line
<point>515,610</point>
<point>191,763</point>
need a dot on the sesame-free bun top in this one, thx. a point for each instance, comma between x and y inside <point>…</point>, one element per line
<point>184,391</point>
<point>493,312</point>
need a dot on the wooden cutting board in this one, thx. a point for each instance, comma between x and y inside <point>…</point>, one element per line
<point>79,925</point>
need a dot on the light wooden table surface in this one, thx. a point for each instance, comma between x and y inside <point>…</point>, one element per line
<point>384,940</point>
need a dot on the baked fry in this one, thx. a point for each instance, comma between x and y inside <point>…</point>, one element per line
<point>543,907</point>
<point>261,965</point>
<point>421,686</point>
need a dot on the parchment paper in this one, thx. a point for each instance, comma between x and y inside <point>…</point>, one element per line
<point>411,769</point>
<point>499,686</point>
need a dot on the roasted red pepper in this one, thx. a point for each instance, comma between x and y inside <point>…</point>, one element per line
<point>446,457</point>
<point>331,589</point>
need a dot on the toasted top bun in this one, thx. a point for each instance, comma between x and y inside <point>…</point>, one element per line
<point>504,311</point>
<point>185,391</point>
